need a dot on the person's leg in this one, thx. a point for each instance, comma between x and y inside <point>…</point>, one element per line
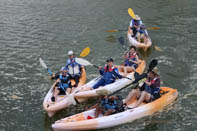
<point>138,36</point>
<point>76,78</point>
<point>133,93</point>
<point>144,97</point>
<point>142,38</point>
<point>72,89</point>
<point>97,111</point>
<point>109,112</point>
<point>99,83</point>
<point>125,70</point>
<point>108,82</point>
<point>130,69</point>
<point>68,90</point>
<point>55,93</point>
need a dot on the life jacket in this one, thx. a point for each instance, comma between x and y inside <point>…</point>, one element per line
<point>155,91</point>
<point>73,67</point>
<point>132,56</point>
<point>106,69</point>
<point>108,73</point>
<point>108,104</point>
<point>115,104</point>
<point>64,81</point>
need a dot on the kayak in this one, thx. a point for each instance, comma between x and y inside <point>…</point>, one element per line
<point>62,100</point>
<point>117,85</point>
<point>86,120</point>
<point>137,44</point>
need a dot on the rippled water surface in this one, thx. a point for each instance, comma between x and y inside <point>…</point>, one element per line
<point>48,28</point>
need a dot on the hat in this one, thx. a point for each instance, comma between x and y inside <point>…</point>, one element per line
<point>137,17</point>
<point>110,60</point>
<point>102,92</point>
<point>63,68</point>
<point>155,70</point>
<point>70,52</point>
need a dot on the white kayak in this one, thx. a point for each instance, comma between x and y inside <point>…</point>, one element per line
<point>137,44</point>
<point>62,100</point>
<point>117,85</point>
<point>86,120</point>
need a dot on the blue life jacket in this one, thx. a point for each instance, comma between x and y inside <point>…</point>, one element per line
<point>109,104</point>
<point>110,73</point>
<point>130,57</point>
<point>64,82</point>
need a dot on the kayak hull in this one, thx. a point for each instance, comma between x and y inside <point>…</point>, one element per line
<point>120,83</point>
<point>134,42</point>
<point>86,120</point>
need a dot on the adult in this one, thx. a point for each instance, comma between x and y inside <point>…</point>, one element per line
<point>134,27</point>
<point>63,85</point>
<point>74,69</point>
<point>108,75</point>
<point>106,105</point>
<point>131,60</point>
<point>148,92</point>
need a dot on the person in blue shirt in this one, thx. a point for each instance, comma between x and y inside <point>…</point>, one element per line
<point>63,84</point>
<point>106,105</point>
<point>74,69</point>
<point>108,75</point>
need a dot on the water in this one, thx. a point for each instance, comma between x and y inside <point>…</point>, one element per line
<point>33,28</point>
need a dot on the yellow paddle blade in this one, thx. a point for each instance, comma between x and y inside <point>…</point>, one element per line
<point>85,52</point>
<point>112,30</point>
<point>158,48</point>
<point>131,13</point>
<point>153,28</point>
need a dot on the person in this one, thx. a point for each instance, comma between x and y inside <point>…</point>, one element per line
<point>74,69</point>
<point>131,60</point>
<point>106,105</point>
<point>108,75</point>
<point>150,90</point>
<point>134,27</point>
<point>143,34</point>
<point>63,84</point>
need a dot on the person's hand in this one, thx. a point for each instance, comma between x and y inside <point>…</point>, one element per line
<point>100,67</point>
<point>87,108</point>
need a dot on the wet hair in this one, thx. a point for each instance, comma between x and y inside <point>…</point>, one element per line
<point>132,47</point>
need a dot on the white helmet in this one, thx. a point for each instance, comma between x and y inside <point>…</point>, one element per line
<point>70,52</point>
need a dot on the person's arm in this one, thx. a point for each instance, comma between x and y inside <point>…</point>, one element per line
<point>92,107</point>
<point>101,70</point>
<point>55,76</point>
<point>116,72</point>
<point>137,60</point>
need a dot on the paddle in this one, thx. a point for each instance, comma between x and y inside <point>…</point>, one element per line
<point>42,63</point>
<point>117,30</point>
<point>87,63</point>
<point>85,52</point>
<point>131,13</point>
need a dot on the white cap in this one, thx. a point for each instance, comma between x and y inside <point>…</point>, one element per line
<point>137,17</point>
<point>70,52</point>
